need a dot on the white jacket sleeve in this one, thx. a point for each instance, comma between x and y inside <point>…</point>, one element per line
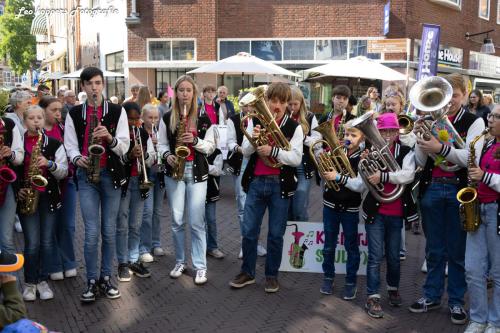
<point>150,160</point>
<point>356,184</point>
<point>291,157</point>
<point>460,156</point>
<point>60,166</point>
<point>71,140</point>
<point>216,168</point>
<point>315,136</point>
<point>420,156</point>
<point>492,180</point>
<point>403,176</point>
<point>207,144</point>
<point>121,142</point>
<point>163,144</point>
<point>232,143</point>
<point>17,147</point>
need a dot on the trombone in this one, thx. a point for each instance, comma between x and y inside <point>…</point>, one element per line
<point>146,184</point>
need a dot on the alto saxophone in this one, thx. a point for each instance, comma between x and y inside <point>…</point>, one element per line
<point>469,205</point>
<point>7,175</point>
<point>181,151</point>
<point>34,182</point>
<point>95,148</point>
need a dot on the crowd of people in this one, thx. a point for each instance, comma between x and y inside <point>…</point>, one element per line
<point>120,161</point>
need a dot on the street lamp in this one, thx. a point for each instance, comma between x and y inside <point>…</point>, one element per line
<point>488,47</point>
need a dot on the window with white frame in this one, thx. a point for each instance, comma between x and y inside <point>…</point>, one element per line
<point>484,9</point>
<point>298,50</point>
<point>171,50</point>
<point>228,48</point>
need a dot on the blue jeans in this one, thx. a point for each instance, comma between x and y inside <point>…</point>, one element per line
<point>211,222</point>
<point>264,192</point>
<point>193,195</point>
<point>240,194</point>
<point>445,240</point>
<point>331,225</point>
<point>65,227</point>
<point>93,197</point>
<point>481,245</point>
<point>128,223</point>
<point>152,215</point>
<point>39,232</point>
<point>8,215</point>
<point>299,203</point>
<point>384,230</point>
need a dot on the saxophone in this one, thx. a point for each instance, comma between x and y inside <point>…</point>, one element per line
<point>95,148</point>
<point>7,176</point>
<point>469,205</point>
<point>34,182</point>
<point>340,131</point>
<point>181,151</point>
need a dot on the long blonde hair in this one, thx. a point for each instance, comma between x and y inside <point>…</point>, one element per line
<point>143,96</point>
<point>176,111</point>
<point>298,96</point>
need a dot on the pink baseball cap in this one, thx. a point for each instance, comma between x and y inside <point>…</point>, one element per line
<point>387,121</point>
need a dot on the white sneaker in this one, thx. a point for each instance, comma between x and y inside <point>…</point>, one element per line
<point>474,327</point>
<point>240,255</point>
<point>216,253</point>
<point>201,276</point>
<point>29,292</point>
<point>424,267</point>
<point>44,291</point>
<point>146,257</point>
<point>261,251</point>
<point>70,273</point>
<point>18,227</point>
<point>177,271</point>
<point>158,251</point>
<point>492,329</point>
<point>57,276</point>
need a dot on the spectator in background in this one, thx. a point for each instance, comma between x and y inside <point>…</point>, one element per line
<point>223,105</point>
<point>41,91</point>
<point>60,95</point>
<point>488,101</point>
<point>82,97</point>
<point>143,97</point>
<point>363,106</point>
<point>374,96</point>
<point>164,105</point>
<point>351,103</point>
<point>20,101</point>
<point>114,99</point>
<point>134,90</point>
<point>476,105</point>
<point>69,102</point>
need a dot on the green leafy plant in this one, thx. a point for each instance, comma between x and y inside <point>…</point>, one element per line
<point>235,99</point>
<point>4,100</point>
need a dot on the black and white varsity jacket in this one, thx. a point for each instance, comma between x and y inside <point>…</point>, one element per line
<point>234,141</point>
<point>492,180</point>
<point>310,138</point>
<point>215,163</point>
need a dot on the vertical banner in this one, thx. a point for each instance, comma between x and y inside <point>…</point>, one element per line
<point>303,248</point>
<point>429,51</point>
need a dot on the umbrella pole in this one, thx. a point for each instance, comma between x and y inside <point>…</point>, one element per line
<point>242,81</point>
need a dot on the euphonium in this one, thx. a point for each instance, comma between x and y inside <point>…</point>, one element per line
<point>433,94</point>
<point>469,205</point>
<point>379,158</point>
<point>95,148</point>
<point>181,151</point>
<point>34,182</point>
<point>7,175</point>
<point>145,184</point>
<point>334,158</point>
<point>270,133</point>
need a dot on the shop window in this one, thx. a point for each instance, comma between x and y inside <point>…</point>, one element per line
<point>335,49</point>
<point>484,9</point>
<point>183,50</point>
<point>230,48</point>
<point>298,50</point>
<point>267,49</point>
<point>359,48</point>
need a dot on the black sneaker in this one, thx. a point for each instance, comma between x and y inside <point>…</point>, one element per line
<point>423,305</point>
<point>107,289</point>
<point>123,273</point>
<point>90,293</point>
<point>458,315</point>
<point>241,280</point>
<point>394,298</point>
<point>138,269</point>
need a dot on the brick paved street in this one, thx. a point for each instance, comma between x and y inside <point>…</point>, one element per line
<point>161,304</point>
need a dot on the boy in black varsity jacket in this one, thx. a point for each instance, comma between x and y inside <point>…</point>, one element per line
<point>128,224</point>
<point>215,163</point>
<point>383,221</point>
<point>39,228</point>
<point>269,187</point>
<point>339,114</point>
<point>104,194</point>
<point>342,207</point>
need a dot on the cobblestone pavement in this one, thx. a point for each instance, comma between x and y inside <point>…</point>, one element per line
<point>161,304</point>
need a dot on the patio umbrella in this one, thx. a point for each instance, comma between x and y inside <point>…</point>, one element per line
<point>76,75</point>
<point>359,67</point>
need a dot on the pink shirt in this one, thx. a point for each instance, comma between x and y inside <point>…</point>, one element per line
<point>55,133</point>
<point>491,165</point>
<point>394,208</point>
<point>85,151</point>
<point>210,111</point>
<point>263,170</point>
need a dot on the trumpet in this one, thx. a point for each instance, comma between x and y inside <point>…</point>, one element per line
<point>334,158</point>
<point>145,184</point>
<point>271,132</point>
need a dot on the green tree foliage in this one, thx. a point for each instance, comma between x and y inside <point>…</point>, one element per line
<point>16,42</point>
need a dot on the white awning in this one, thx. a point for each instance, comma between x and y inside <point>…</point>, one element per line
<point>39,25</point>
<point>53,58</point>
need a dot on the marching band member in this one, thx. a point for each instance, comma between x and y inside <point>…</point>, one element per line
<point>99,176</point>
<point>269,187</point>
<point>187,174</point>
<point>154,212</point>
<point>340,98</point>
<point>134,193</point>
<point>342,208</point>
<point>38,206</point>
<point>299,203</point>
<point>237,164</point>
<point>63,261</point>
<point>483,245</point>
<point>445,239</point>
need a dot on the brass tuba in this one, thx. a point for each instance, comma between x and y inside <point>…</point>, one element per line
<point>181,151</point>
<point>433,94</point>
<point>469,205</point>
<point>95,149</point>
<point>34,182</point>
<point>7,175</point>
<point>270,133</point>
<point>379,158</point>
<point>334,158</point>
